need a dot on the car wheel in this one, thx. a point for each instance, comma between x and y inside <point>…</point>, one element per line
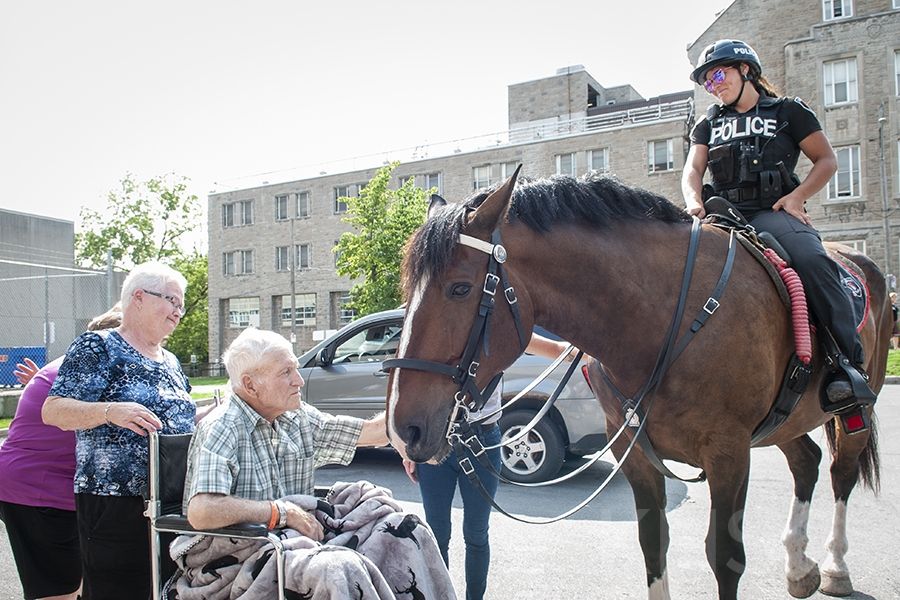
<point>536,457</point>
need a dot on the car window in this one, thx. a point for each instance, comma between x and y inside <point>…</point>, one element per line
<point>375,343</point>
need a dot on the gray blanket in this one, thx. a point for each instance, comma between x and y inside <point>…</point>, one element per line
<point>371,550</point>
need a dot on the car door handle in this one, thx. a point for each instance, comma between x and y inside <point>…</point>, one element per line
<point>380,373</point>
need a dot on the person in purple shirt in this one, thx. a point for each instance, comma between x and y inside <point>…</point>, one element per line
<point>37,501</point>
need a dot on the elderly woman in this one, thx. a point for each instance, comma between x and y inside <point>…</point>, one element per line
<point>112,388</point>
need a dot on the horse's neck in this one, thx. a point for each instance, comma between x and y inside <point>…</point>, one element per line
<point>593,287</point>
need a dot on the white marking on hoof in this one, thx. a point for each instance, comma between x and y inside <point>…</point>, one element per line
<point>802,572</point>
<point>835,574</point>
<point>836,585</point>
<point>659,588</point>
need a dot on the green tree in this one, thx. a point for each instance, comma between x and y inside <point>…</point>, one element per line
<point>191,335</point>
<point>384,219</point>
<point>151,220</point>
<point>143,221</point>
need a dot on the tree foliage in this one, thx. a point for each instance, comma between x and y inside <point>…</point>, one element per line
<point>143,220</point>
<point>191,335</point>
<point>384,219</point>
<point>151,220</point>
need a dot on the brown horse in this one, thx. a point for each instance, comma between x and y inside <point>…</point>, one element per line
<point>600,264</point>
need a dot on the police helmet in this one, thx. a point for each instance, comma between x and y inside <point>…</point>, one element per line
<point>724,52</point>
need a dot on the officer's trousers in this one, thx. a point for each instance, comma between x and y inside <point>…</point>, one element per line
<point>821,278</point>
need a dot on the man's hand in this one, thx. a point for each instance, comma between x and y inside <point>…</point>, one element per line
<point>793,206</point>
<point>695,210</point>
<point>25,370</point>
<point>304,522</point>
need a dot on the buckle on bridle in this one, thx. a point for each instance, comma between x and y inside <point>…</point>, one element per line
<point>490,284</point>
<point>510,294</point>
<point>473,366</point>
<point>711,305</point>
<point>466,465</point>
<point>474,445</point>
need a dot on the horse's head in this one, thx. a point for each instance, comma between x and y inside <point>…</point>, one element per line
<point>460,328</point>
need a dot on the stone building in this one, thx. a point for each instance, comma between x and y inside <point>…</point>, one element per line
<point>566,123</point>
<point>843,58</point>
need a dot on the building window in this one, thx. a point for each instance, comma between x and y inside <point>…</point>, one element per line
<point>845,183</point>
<point>434,180</point>
<point>565,164</point>
<point>836,9</point>
<point>336,251</point>
<point>598,160</point>
<point>342,192</point>
<point>857,245</point>
<point>281,208</point>
<point>243,312</point>
<point>896,4</point>
<point>404,178</point>
<point>840,81</point>
<point>341,312</point>
<point>304,310</point>
<point>896,64</point>
<point>238,262</point>
<point>303,256</point>
<point>282,258</point>
<point>487,175</point>
<point>661,156</point>
<point>303,207</point>
<point>237,213</point>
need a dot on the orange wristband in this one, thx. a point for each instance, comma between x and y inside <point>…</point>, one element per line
<point>273,520</point>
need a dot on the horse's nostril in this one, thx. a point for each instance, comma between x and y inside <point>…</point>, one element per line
<point>413,435</point>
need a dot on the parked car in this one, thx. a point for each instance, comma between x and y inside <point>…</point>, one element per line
<point>344,377</point>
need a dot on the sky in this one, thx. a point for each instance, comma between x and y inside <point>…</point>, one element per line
<point>229,94</point>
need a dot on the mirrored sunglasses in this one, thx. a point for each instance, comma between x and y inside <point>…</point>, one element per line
<point>718,76</point>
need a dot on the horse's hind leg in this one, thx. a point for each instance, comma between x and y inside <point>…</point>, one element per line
<point>803,456</point>
<point>649,489</point>
<point>845,471</point>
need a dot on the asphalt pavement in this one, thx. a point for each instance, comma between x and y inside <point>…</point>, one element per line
<point>595,553</point>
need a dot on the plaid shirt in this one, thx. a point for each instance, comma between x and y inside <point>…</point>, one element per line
<point>237,452</point>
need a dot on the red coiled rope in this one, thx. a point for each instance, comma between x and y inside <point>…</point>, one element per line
<point>799,312</point>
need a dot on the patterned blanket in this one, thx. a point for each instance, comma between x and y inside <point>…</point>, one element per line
<point>371,550</point>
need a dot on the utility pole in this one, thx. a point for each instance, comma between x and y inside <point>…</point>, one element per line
<point>885,206</point>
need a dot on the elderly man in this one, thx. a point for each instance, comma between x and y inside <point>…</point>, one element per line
<point>253,460</point>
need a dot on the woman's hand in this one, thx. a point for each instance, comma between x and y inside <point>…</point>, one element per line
<point>410,468</point>
<point>304,522</point>
<point>793,206</point>
<point>25,371</point>
<point>132,416</point>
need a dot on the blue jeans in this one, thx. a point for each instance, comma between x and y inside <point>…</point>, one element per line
<point>437,484</point>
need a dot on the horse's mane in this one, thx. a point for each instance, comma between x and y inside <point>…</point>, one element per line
<point>593,199</point>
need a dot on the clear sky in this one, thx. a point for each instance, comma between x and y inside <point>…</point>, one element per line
<point>220,90</point>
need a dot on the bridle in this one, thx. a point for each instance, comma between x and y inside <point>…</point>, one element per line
<point>465,371</point>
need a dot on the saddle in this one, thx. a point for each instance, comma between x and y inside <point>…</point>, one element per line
<point>722,213</point>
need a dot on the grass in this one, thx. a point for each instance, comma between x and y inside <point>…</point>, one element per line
<point>893,364</point>
<point>4,423</point>
<point>208,380</point>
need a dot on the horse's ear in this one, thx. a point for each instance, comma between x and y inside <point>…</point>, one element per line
<point>490,212</point>
<point>436,203</point>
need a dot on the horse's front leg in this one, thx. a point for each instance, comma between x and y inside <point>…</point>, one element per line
<point>649,489</point>
<point>802,573</point>
<point>728,474</point>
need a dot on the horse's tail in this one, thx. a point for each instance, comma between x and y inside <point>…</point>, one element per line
<point>869,462</point>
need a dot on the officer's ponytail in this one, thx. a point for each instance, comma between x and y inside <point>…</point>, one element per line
<point>764,87</point>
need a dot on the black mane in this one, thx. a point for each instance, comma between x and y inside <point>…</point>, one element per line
<point>593,199</point>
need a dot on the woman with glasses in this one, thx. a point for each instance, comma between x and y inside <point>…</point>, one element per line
<point>112,388</point>
<point>750,142</point>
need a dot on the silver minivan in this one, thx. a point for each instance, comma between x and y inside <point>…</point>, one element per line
<point>344,377</point>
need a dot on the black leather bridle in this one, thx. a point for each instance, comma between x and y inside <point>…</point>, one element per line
<point>465,371</point>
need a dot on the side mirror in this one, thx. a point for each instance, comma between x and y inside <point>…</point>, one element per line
<point>324,356</point>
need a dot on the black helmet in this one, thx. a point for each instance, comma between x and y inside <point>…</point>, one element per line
<point>726,52</point>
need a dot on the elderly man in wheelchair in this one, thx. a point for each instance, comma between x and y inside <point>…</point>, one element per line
<point>252,461</point>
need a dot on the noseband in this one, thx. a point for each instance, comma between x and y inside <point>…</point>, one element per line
<point>464,373</point>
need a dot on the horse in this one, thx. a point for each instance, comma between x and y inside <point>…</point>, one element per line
<point>600,264</point>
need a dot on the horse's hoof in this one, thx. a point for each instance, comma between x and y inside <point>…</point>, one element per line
<point>836,585</point>
<point>807,585</point>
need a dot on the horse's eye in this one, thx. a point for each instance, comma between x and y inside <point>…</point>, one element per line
<point>460,290</point>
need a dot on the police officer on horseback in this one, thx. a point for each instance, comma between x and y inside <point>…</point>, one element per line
<point>750,143</point>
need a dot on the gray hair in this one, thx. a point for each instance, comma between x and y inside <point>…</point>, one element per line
<point>152,275</point>
<point>249,349</point>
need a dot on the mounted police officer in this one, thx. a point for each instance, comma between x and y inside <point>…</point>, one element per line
<point>750,143</point>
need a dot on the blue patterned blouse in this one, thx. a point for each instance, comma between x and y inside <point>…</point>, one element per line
<point>102,367</point>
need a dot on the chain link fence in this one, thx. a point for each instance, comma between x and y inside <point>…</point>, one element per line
<point>45,307</point>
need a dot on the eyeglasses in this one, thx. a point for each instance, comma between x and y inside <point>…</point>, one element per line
<point>178,306</point>
<point>718,76</point>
